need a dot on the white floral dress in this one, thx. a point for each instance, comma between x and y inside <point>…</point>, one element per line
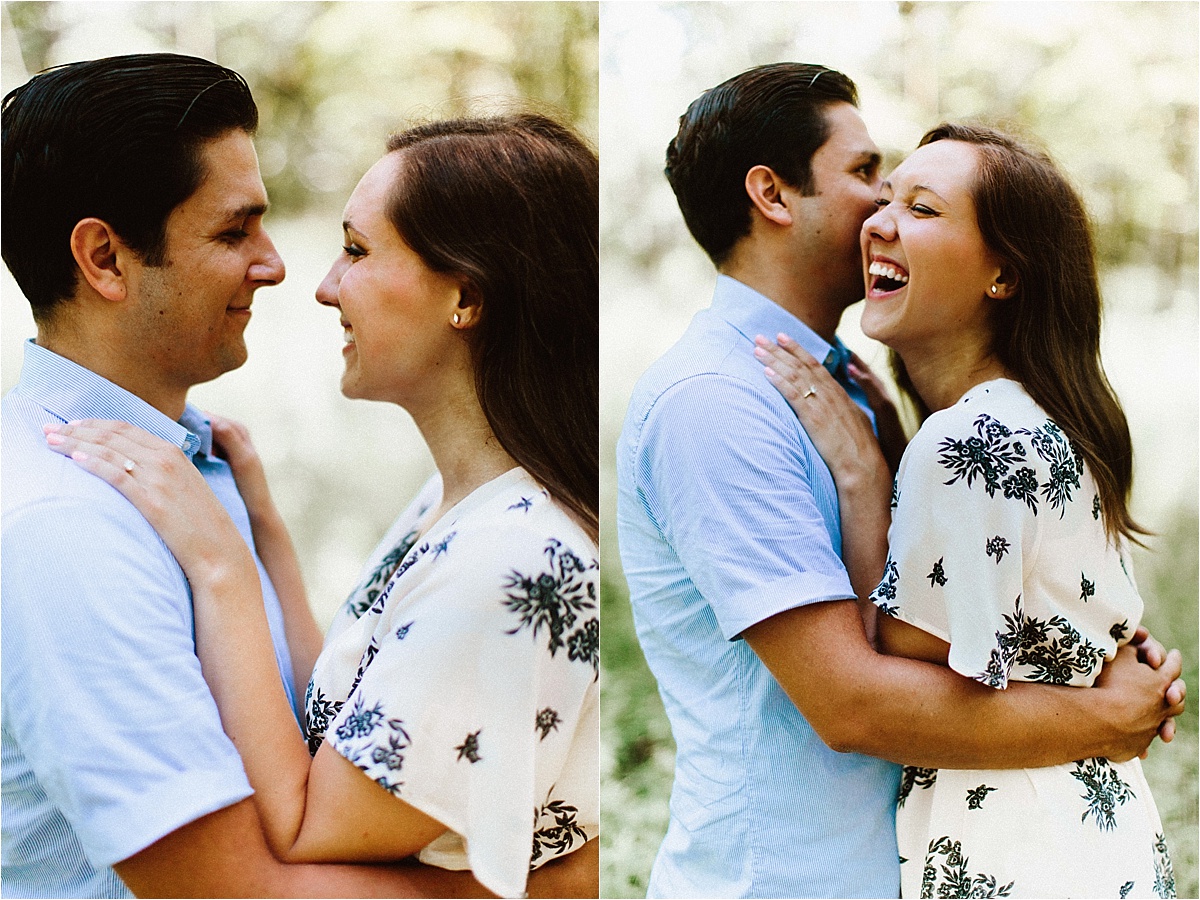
<point>998,547</point>
<point>461,675</point>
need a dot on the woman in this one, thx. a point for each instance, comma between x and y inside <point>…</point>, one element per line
<point>452,712</point>
<point>1007,553</point>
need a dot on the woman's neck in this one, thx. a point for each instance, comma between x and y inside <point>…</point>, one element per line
<point>464,448</point>
<point>942,377</point>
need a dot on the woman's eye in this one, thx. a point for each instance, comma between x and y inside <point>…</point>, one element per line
<point>880,203</point>
<point>921,210</point>
<point>353,251</point>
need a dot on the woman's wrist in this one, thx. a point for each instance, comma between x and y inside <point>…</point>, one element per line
<point>226,573</point>
<point>863,475</point>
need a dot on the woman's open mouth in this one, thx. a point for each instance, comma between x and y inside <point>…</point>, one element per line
<point>886,277</point>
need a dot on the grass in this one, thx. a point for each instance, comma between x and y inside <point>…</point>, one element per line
<point>638,753</point>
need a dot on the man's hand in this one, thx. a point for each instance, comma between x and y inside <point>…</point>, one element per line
<point>1141,699</point>
<point>1154,654</point>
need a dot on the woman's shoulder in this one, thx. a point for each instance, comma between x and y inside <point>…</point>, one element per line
<point>996,431</point>
<point>988,413</point>
<point>521,515</point>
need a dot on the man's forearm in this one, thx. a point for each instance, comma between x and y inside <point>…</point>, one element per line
<point>224,854</point>
<point>923,714</point>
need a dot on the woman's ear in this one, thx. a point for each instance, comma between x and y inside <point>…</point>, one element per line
<point>766,191</point>
<point>469,309</point>
<point>1005,284</point>
<point>101,256</point>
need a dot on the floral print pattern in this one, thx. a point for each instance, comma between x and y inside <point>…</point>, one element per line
<point>998,548</point>
<point>462,634</point>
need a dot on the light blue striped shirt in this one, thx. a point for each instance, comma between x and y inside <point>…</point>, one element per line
<point>111,739</point>
<point>726,517</point>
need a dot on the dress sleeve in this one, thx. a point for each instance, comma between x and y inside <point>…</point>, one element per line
<point>103,692</point>
<point>476,701</point>
<point>735,496</point>
<point>964,529</point>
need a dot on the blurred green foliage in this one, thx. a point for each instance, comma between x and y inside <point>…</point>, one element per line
<point>332,79</point>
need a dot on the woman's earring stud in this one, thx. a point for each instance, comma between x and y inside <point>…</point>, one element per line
<point>993,289</point>
<point>458,318</point>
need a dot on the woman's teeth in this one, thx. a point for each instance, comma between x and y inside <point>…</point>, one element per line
<point>885,271</point>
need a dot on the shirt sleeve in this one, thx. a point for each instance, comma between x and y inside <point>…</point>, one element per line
<point>102,689</point>
<point>736,496</point>
<point>964,529</point>
<point>497,738</point>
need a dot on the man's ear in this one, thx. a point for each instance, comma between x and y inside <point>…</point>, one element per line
<point>766,191</point>
<point>101,257</point>
<point>469,309</point>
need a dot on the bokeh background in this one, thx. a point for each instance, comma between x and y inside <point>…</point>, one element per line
<point>332,80</point>
<point>1109,88</point>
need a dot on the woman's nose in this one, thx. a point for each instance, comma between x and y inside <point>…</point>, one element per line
<point>327,290</point>
<point>880,225</point>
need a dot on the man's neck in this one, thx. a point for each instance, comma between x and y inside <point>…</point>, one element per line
<point>98,355</point>
<point>782,285</point>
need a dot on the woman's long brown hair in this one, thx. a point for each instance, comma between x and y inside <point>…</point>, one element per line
<point>1048,333</point>
<point>510,204</point>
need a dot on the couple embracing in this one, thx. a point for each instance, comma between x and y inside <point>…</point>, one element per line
<point>174,722</point>
<point>871,654</point>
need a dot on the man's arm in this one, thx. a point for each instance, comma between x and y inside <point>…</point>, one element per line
<point>923,714</point>
<point>224,854</point>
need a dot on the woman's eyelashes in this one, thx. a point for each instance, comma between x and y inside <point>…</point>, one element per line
<point>919,209</point>
<point>353,251</point>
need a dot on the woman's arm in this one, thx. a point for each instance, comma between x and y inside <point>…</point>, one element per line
<point>273,543</point>
<point>321,809</point>
<point>843,436</point>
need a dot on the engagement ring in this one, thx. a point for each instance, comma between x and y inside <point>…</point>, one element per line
<point>811,392</point>
<point>129,466</point>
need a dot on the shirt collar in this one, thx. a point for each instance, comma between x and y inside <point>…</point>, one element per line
<point>752,313</point>
<point>68,392</point>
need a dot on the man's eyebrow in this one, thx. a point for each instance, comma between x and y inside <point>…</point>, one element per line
<point>246,211</point>
<point>871,156</point>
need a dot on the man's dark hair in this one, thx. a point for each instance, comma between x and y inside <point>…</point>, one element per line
<point>771,115</point>
<point>119,139</point>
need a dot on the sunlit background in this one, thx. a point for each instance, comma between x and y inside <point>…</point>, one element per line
<point>332,80</point>
<point>1109,88</point>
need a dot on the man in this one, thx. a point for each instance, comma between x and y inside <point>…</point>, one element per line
<point>133,223</point>
<point>730,540</point>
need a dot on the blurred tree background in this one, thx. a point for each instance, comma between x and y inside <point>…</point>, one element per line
<point>332,80</point>
<point>1110,89</point>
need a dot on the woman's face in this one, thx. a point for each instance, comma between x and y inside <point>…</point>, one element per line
<point>928,272</point>
<point>397,313</point>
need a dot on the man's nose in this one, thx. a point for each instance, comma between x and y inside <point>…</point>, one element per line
<point>268,269</point>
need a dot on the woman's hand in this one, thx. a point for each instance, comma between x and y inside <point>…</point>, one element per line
<point>157,478</point>
<point>231,441</point>
<point>892,439</point>
<point>839,429</point>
